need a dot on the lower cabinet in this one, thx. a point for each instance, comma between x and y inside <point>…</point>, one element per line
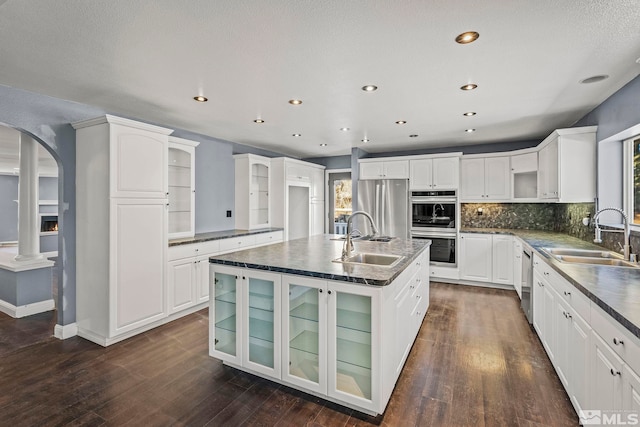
<point>595,357</point>
<point>320,336</point>
<point>486,258</point>
<point>517,266</point>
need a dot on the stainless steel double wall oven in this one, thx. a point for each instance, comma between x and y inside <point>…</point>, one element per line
<point>433,216</point>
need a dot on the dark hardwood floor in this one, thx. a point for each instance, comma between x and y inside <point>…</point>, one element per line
<point>476,362</point>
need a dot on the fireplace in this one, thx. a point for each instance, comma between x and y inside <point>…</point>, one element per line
<point>48,224</point>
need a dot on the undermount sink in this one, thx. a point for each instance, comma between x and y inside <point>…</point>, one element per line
<point>585,256</point>
<point>378,260</point>
<point>383,239</point>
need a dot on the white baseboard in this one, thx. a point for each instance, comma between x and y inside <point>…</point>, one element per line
<point>26,310</point>
<point>67,331</point>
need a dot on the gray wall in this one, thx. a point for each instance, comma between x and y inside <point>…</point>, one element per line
<point>8,208</point>
<point>336,162</point>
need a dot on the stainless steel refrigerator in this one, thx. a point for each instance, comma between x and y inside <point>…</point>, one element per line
<point>387,200</point>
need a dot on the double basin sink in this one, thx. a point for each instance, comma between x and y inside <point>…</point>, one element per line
<point>586,256</point>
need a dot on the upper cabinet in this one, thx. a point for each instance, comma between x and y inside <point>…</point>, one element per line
<point>384,169</point>
<point>484,179</point>
<point>439,173</point>
<point>252,174</point>
<point>567,166</point>
<point>524,176</point>
<point>182,191</point>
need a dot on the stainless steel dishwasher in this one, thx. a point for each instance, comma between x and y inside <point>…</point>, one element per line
<point>527,283</point>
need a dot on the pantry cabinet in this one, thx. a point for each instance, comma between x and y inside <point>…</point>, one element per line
<point>121,227</point>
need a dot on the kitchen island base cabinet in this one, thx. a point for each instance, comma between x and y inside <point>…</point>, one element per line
<point>338,340</point>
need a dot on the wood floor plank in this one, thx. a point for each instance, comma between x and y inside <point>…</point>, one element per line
<point>475,362</point>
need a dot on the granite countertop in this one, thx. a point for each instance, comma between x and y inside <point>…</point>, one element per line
<point>614,289</point>
<point>217,235</point>
<point>313,257</point>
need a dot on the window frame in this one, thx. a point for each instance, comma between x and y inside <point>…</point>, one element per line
<point>628,179</point>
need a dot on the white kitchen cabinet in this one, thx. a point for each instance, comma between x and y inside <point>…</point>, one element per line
<point>252,175</point>
<point>486,258</point>
<point>438,173</point>
<point>475,257</point>
<point>317,218</point>
<point>517,266</point>
<point>261,319</point>
<point>578,360</point>
<point>384,169</point>
<point>121,227</point>
<point>352,339</point>
<point>182,190</point>
<point>484,179</point>
<point>606,371</point>
<point>567,165</point>
<point>502,255</point>
<point>318,184</point>
<point>225,315</point>
<point>304,330</point>
<point>630,390</point>
<point>181,284</point>
<point>524,176</point>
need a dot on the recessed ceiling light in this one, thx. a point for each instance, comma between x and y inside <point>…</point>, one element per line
<point>401,122</point>
<point>468,37</point>
<point>470,86</point>
<point>413,136</point>
<point>594,79</point>
<point>369,88</point>
<point>200,98</point>
<point>344,129</point>
<point>469,113</point>
<point>297,134</point>
<point>469,130</point>
<point>323,145</point>
<point>259,121</point>
<point>295,101</point>
<point>366,140</point>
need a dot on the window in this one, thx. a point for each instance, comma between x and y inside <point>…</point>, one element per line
<point>632,179</point>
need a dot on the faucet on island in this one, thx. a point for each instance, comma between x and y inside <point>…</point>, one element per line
<point>347,248</point>
<point>626,248</point>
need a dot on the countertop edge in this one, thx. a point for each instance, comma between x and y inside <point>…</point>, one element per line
<point>220,235</point>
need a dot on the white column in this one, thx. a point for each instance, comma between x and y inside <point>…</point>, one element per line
<point>28,225</point>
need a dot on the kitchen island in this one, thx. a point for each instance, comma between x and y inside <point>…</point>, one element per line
<point>289,313</point>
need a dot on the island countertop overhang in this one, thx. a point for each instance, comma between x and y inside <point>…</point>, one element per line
<point>313,257</point>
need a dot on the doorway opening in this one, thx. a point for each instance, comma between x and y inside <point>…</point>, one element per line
<point>340,200</point>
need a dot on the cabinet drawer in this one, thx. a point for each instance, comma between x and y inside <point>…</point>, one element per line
<point>268,238</point>
<point>237,243</point>
<point>621,341</point>
<point>181,251</point>
<point>209,248</point>
<point>576,299</point>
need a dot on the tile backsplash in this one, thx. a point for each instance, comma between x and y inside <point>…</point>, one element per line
<point>559,217</point>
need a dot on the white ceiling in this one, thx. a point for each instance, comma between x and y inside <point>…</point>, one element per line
<point>147,59</point>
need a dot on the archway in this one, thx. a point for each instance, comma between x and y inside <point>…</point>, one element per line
<point>50,212</point>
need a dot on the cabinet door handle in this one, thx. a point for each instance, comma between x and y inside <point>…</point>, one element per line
<point>618,342</point>
<point>329,291</point>
<point>320,290</point>
<point>614,372</point>
<point>567,293</point>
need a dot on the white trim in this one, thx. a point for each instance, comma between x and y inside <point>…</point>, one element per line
<point>107,118</point>
<point>411,157</point>
<point>62,332</point>
<point>26,310</point>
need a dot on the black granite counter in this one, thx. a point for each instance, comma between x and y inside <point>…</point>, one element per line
<point>313,257</point>
<point>217,235</point>
<point>614,289</point>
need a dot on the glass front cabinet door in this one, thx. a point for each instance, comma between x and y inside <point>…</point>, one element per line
<point>304,361</point>
<point>181,177</point>
<point>225,312</point>
<point>353,347</point>
<point>261,322</point>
